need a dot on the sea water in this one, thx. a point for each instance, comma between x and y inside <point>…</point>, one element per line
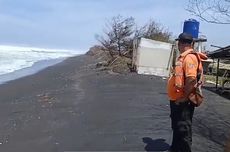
<point>16,62</point>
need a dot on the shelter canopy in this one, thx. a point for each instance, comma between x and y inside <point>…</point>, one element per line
<point>222,53</point>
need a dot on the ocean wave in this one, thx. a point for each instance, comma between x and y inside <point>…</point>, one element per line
<point>13,58</point>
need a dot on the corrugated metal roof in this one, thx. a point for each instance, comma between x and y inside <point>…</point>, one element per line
<point>222,53</point>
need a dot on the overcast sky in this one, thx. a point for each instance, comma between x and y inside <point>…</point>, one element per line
<point>72,24</point>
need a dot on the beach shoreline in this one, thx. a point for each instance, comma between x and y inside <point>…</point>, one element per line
<point>72,106</point>
<point>35,68</point>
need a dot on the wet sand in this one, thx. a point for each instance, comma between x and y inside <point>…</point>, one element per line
<point>74,107</point>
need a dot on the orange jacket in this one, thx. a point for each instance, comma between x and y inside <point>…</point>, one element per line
<point>186,65</point>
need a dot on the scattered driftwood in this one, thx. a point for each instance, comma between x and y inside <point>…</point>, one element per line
<point>113,61</point>
<point>117,63</point>
<point>102,63</point>
<point>45,98</point>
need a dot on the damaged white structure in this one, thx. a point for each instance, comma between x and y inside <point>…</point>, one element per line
<point>152,57</point>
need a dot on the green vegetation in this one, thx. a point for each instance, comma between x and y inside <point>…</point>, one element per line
<point>115,48</point>
<point>120,33</point>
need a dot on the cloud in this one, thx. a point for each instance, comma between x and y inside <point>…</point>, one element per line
<point>73,23</point>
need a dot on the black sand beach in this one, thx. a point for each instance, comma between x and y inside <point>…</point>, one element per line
<point>74,107</point>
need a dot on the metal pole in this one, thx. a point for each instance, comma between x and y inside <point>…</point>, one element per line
<point>216,46</point>
<point>217,71</point>
<point>199,46</point>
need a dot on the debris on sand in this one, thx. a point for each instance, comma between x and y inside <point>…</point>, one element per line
<point>115,63</point>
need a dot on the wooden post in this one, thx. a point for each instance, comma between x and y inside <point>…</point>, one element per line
<point>217,71</point>
<point>171,57</point>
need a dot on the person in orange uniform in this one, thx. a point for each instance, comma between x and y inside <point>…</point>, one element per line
<point>180,85</point>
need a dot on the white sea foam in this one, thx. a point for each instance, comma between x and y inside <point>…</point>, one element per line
<point>14,58</point>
